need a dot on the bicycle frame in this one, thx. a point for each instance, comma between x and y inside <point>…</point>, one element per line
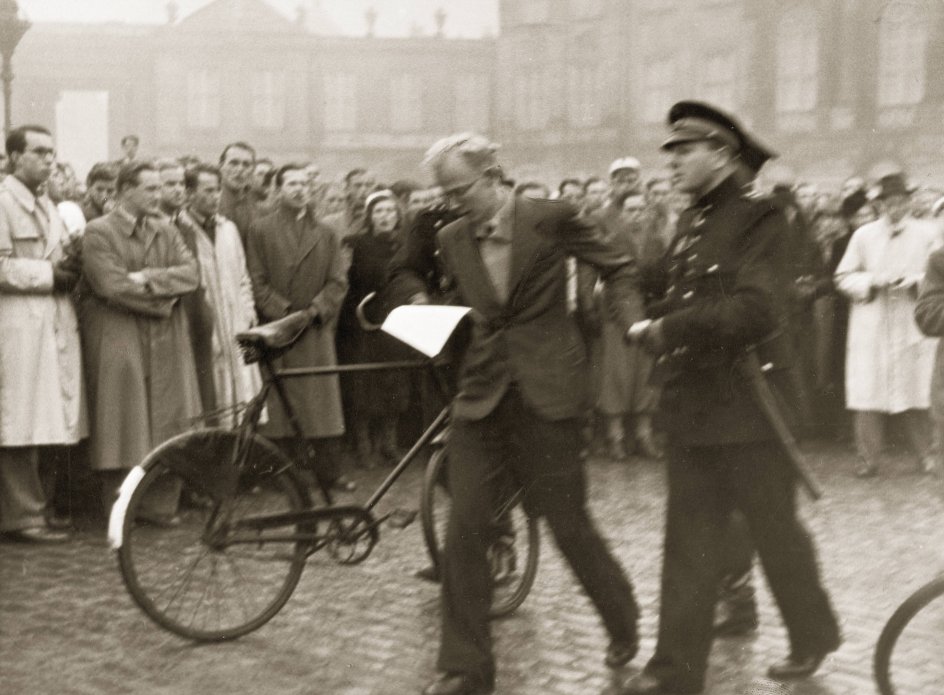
<point>361,518</point>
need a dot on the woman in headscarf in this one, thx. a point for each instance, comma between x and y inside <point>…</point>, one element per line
<point>373,400</point>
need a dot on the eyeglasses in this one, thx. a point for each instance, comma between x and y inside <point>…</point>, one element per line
<point>458,191</point>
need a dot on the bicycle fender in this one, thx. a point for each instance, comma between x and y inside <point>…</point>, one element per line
<point>116,519</point>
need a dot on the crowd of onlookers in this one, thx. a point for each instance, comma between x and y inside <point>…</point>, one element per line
<point>120,297</point>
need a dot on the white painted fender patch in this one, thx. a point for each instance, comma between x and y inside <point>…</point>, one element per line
<point>116,520</point>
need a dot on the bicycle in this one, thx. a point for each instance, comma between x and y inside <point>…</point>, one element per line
<point>907,657</point>
<point>248,524</point>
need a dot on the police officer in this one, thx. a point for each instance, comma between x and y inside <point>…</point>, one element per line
<point>726,279</point>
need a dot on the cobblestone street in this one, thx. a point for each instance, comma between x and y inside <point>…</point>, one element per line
<point>67,625</point>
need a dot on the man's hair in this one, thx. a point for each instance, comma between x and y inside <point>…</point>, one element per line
<point>284,169</point>
<point>16,140</point>
<point>358,171</point>
<point>525,185</point>
<point>655,181</point>
<point>129,175</point>
<point>476,151</point>
<point>130,138</point>
<point>590,181</point>
<point>403,187</point>
<point>239,144</point>
<point>192,175</point>
<point>624,195</point>
<point>165,164</point>
<point>568,182</point>
<point>101,171</point>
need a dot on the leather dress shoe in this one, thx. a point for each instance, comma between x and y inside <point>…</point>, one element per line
<point>641,684</point>
<point>38,534</point>
<point>796,666</point>
<point>620,653</point>
<point>456,684</point>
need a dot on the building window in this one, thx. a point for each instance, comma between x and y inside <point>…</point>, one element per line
<point>585,103</point>
<point>268,100</point>
<point>718,83</point>
<point>406,103</point>
<point>340,102</point>
<point>203,99</point>
<point>472,102</point>
<point>658,81</point>
<point>797,61</point>
<point>531,99</point>
<point>586,9</point>
<point>535,11</point>
<point>902,45</point>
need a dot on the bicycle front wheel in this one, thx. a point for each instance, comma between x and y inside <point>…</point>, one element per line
<point>513,555</point>
<point>908,653</point>
<point>197,572</point>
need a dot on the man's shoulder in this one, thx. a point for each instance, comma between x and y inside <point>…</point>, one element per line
<point>544,210</point>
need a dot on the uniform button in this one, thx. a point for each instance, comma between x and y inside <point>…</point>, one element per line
<point>713,269</point>
<point>688,295</point>
<point>692,257</point>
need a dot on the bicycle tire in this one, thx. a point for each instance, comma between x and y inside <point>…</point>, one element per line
<point>192,586</point>
<point>907,654</point>
<point>508,595</point>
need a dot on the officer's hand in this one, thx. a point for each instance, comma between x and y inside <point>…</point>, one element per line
<point>649,335</point>
<point>419,298</point>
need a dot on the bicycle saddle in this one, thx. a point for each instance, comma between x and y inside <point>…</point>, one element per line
<point>273,337</point>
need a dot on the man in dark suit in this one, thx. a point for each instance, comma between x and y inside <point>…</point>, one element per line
<point>728,276</point>
<point>521,395</point>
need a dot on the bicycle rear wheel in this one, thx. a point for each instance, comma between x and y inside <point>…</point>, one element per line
<point>201,576</point>
<point>908,653</point>
<point>514,554</point>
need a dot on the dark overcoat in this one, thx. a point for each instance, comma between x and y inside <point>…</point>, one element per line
<point>296,264</point>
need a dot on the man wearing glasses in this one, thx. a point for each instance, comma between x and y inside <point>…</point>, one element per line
<point>41,391</point>
<point>522,394</point>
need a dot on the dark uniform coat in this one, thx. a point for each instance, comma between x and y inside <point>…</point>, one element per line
<point>728,280</point>
<point>296,264</point>
<point>726,284</point>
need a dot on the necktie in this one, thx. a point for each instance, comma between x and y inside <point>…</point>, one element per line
<point>209,226</point>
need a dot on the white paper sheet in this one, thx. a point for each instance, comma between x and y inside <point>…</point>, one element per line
<point>425,327</point>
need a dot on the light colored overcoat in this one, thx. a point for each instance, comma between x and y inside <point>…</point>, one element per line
<point>42,400</point>
<point>139,362</point>
<point>889,361</point>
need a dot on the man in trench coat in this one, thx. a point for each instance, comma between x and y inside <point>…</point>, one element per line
<point>41,398</point>
<point>139,363</point>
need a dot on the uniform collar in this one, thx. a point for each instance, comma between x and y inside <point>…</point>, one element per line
<point>728,188</point>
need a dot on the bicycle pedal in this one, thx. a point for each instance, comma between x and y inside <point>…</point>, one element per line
<point>401,518</point>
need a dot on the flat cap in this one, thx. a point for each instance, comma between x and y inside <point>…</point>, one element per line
<point>693,121</point>
<point>625,163</point>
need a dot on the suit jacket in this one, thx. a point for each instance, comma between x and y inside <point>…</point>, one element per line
<point>727,284</point>
<point>530,340</point>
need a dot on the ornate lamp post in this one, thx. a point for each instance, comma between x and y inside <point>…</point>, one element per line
<point>12,29</point>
